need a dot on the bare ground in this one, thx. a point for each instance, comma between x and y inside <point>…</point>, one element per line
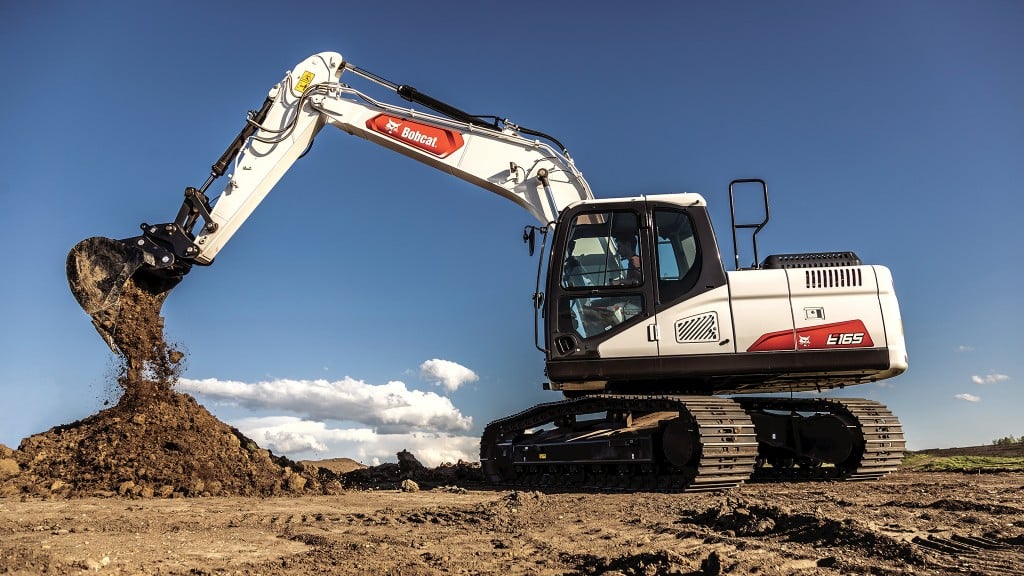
<point>919,523</point>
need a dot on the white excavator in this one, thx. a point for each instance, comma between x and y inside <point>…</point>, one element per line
<point>655,347</point>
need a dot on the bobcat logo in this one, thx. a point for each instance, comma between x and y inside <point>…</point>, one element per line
<point>805,341</point>
<point>392,126</point>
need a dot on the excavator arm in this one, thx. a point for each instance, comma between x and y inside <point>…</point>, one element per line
<point>489,152</point>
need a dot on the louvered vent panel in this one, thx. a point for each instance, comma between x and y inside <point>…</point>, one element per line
<point>700,328</point>
<point>834,277</point>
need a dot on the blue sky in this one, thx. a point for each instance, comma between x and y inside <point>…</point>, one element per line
<point>366,281</point>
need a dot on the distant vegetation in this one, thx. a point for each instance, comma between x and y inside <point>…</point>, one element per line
<point>929,463</point>
<point>1003,455</point>
<point>1008,440</point>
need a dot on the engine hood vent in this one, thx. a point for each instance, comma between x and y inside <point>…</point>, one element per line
<point>834,277</point>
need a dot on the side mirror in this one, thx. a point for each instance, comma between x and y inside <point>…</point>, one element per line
<point>530,237</point>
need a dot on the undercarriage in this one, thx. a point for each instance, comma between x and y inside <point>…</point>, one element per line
<point>690,443</point>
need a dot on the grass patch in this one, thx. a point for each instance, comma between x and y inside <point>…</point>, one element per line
<point>928,463</point>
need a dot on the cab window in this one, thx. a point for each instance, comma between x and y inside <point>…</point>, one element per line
<point>603,250</point>
<point>678,254</point>
<point>602,261</point>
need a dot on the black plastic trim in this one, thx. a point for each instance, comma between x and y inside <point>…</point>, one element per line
<point>726,373</point>
<point>811,260</point>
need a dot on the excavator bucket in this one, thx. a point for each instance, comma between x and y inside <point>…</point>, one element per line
<point>99,269</point>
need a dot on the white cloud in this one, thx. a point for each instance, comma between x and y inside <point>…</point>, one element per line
<point>446,373</point>
<point>968,397</point>
<point>299,439</point>
<point>350,418</point>
<point>964,348</point>
<point>388,408</point>
<point>989,378</point>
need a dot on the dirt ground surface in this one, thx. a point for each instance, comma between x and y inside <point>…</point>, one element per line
<point>908,523</point>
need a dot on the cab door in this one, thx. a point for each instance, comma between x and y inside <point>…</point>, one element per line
<point>693,316</point>
<point>600,296</point>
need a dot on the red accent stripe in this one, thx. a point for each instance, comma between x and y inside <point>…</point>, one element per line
<point>847,334</point>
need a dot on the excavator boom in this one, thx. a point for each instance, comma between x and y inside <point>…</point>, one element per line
<point>492,154</point>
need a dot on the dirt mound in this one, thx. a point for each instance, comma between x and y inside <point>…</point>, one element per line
<point>338,466</point>
<point>390,476</point>
<point>169,446</point>
<point>155,441</point>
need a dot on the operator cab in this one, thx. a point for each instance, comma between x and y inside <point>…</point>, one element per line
<point>614,265</point>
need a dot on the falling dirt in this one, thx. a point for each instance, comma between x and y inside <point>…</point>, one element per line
<point>150,364</point>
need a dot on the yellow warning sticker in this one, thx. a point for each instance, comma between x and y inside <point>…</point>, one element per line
<point>304,81</point>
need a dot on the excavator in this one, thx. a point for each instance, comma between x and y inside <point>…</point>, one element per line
<point>675,374</point>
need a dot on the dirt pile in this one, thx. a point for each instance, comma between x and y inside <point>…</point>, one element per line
<point>170,446</point>
<point>390,476</point>
<point>154,441</point>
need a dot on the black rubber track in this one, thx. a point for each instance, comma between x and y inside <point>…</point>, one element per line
<point>879,438</point>
<point>725,458</point>
<point>728,446</point>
